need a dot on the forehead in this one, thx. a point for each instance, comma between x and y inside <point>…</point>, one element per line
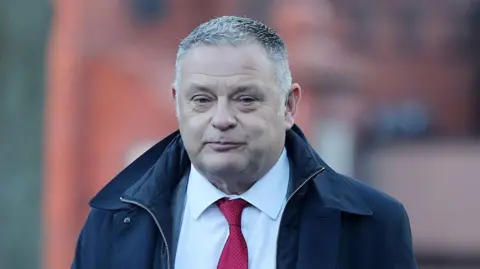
<point>227,64</point>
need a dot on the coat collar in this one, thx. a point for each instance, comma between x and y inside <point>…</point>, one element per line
<point>335,190</point>
<point>153,177</point>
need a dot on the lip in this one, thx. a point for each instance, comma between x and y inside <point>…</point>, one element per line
<point>222,146</point>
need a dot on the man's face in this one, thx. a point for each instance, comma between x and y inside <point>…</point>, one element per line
<point>230,110</point>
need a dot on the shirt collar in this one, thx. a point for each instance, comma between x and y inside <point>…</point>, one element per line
<point>268,194</point>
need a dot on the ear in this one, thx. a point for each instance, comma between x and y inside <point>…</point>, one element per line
<point>174,92</point>
<point>293,98</point>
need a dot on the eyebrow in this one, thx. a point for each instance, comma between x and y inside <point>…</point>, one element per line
<point>238,89</point>
<point>198,88</point>
<point>246,88</point>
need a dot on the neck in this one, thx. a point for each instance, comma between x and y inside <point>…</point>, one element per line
<point>234,183</point>
<point>232,188</point>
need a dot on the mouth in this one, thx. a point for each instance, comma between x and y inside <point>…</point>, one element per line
<point>222,146</point>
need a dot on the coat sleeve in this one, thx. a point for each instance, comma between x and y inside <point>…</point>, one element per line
<point>93,244</point>
<point>400,244</point>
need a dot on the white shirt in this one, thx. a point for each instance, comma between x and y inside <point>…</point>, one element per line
<point>204,229</point>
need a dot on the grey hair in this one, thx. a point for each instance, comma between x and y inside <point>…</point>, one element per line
<point>232,30</point>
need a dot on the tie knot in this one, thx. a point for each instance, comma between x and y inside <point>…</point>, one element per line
<point>232,210</point>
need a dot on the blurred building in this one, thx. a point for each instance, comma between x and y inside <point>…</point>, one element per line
<point>473,17</point>
<point>374,74</point>
<point>416,60</point>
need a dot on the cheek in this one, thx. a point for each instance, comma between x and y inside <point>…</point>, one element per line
<point>191,141</point>
<point>263,128</point>
<point>192,129</point>
<point>191,120</point>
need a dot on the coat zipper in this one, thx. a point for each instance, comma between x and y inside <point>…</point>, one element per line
<point>288,200</point>
<point>156,222</point>
<point>163,234</point>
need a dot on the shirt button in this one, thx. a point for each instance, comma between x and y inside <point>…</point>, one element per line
<point>127,220</point>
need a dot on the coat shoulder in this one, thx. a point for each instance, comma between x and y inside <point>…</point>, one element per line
<point>389,224</point>
<point>383,206</point>
<point>94,241</point>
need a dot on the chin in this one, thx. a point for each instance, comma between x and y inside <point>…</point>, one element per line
<point>223,167</point>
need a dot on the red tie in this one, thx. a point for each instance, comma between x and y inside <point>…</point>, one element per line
<point>235,252</point>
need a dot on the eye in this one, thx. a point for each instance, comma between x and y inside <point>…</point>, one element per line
<point>201,99</point>
<point>247,99</point>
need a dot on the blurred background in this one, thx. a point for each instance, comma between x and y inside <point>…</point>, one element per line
<point>391,96</point>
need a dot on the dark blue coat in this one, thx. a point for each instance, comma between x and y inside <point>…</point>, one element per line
<point>330,221</point>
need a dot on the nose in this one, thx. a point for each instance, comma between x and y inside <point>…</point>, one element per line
<point>224,116</point>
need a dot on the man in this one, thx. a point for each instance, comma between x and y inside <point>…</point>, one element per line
<point>239,186</point>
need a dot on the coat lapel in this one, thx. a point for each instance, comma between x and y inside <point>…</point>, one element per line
<point>177,208</point>
<point>319,236</point>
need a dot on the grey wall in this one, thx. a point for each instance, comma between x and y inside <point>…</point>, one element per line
<point>24,28</point>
